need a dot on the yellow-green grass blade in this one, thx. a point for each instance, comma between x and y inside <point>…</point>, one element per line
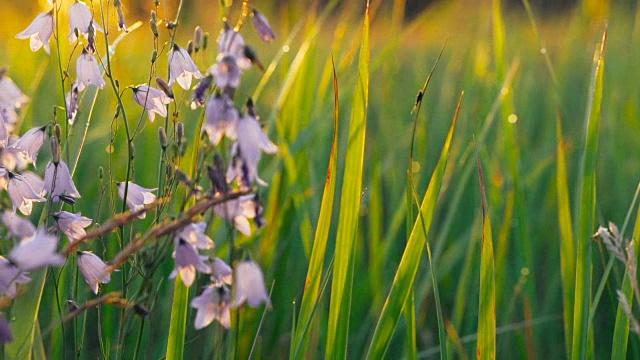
<point>314,274</point>
<point>486,348</point>
<point>567,244</point>
<point>178,324</point>
<point>583,281</point>
<point>622,325</point>
<point>349,209</point>
<point>408,268</point>
<point>26,313</point>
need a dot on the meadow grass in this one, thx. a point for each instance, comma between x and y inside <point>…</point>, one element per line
<point>379,241</point>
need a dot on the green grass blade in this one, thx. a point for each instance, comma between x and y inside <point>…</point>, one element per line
<point>349,208</point>
<point>178,325</point>
<point>408,268</point>
<point>314,274</point>
<point>486,348</point>
<point>622,325</point>
<point>587,210</point>
<point>25,312</point>
<point>567,244</point>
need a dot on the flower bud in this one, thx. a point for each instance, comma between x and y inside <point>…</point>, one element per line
<point>154,56</point>
<point>154,23</point>
<point>132,149</point>
<point>162,135</point>
<point>205,41</point>
<point>55,149</point>
<point>180,131</point>
<point>57,131</point>
<point>262,27</point>
<point>162,85</point>
<point>100,173</point>
<point>91,38</point>
<point>190,47</point>
<point>197,38</point>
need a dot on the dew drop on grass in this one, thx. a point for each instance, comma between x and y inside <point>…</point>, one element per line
<point>513,118</point>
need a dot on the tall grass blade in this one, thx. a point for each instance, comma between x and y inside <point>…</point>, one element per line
<point>26,313</point>
<point>177,327</point>
<point>408,268</point>
<point>587,209</point>
<point>314,274</point>
<point>567,244</point>
<point>349,209</point>
<point>486,348</point>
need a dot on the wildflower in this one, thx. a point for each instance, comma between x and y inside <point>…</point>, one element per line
<point>9,115</point>
<point>250,286</point>
<point>261,24</point>
<point>230,42</point>
<point>121,25</point>
<point>222,118</point>
<point>152,99</point>
<point>5,331</point>
<point>71,224</point>
<point>37,184</point>
<point>213,304</point>
<point>18,226</point>
<point>182,68</point>
<point>58,182</point>
<point>10,94</point>
<point>88,72</point>
<point>187,261</point>
<point>21,193</point>
<point>39,32</point>
<point>201,90</point>
<point>227,72</point>
<point>80,18</point>
<point>194,234</point>
<point>239,210</point>
<point>10,277</point>
<point>221,272</point>
<point>31,142</point>
<point>251,142</point>
<point>71,100</point>
<point>137,197</point>
<point>36,252</point>
<point>93,269</point>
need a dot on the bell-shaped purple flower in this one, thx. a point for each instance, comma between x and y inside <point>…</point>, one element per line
<point>10,277</point>
<point>39,32</point>
<point>122,26</point>
<point>71,100</point>
<point>251,143</point>
<point>31,142</point>
<point>188,261</point>
<point>36,182</point>
<point>230,42</point>
<point>194,234</point>
<point>227,72</point>
<point>239,211</point>
<point>5,331</point>
<point>58,182</point>
<point>18,226</point>
<point>80,18</point>
<point>88,72</point>
<point>213,304</point>
<point>10,95</point>
<point>182,68</point>
<point>36,252</point>
<point>137,197</point>
<point>261,24</point>
<point>221,272</point>
<point>93,269</point>
<point>221,118</point>
<point>21,193</point>
<point>152,99</point>
<point>249,286</point>
<point>71,224</point>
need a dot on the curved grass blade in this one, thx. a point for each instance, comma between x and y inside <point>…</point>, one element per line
<point>177,327</point>
<point>567,243</point>
<point>408,268</point>
<point>339,310</point>
<point>486,348</point>
<point>587,209</point>
<point>314,274</point>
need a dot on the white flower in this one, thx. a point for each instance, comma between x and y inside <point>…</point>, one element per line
<point>137,197</point>
<point>39,32</point>
<point>194,234</point>
<point>88,72</point>
<point>36,252</point>
<point>21,193</point>
<point>71,224</point>
<point>251,142</point>
<point>182,68</point>
<point>250,286</point>
<point>10,277</point>
<point>31,142</point>
<point>212,304</point>
<point>18,226</point>
<point>80,17</point>
<point>221,272</point>
<point>222,118</point>
<point>93,269</point>
<point>10,94</point>
<point>239,210</point>
<point>58,182</point>
<point>187,262</point>
<point>261,24</point>
<point>152,99</point>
